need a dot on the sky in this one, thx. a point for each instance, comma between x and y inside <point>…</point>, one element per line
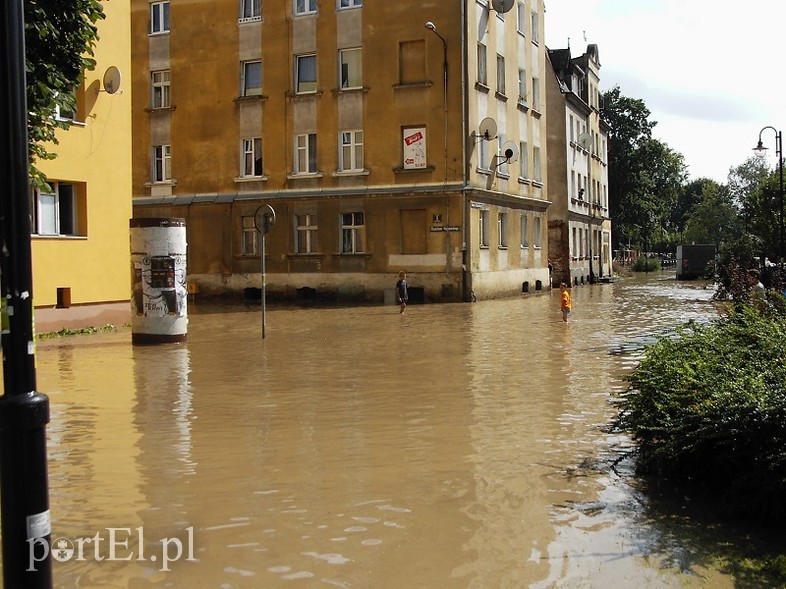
<point>711,72</point>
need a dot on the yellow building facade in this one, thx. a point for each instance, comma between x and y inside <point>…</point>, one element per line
<point>359,123</point>
<point>80,246</point>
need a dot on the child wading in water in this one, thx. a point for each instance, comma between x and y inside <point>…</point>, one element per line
<point>401,291</point>
<point>565,304</point>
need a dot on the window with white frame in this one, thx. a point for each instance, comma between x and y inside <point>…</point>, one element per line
<point>306,153</point>
<point>55,211</point>
<point>536,231</point>
<point>500,74</point>
<point>305,73</point>
<point>353,233</point>
<point>483,228</point>
<point>524,231</point>
<point>159,86</point>
<point>306,234</point>
<point>250,10</point>
<point>523,160</point>
<point>251,78</point>
<point>482,66</point>
<point>521,20</point>
<point>305,6</point>
<point>159,17</point>
<point>350,155</point>
<point>535,29</point>
<point>350,68</point>
<point>162,163</point>
<point>502,162</point>
<point>536,164</point>
<point>502,229</point>
<point>483,154</point>
<point>342,4</point>
<point>249,233</point>
<point>251,157</point>
<point>522,86</point>
<point>535,93</point>
<point>65,106</point>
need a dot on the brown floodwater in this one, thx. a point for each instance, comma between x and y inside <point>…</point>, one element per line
<point>454,446</point>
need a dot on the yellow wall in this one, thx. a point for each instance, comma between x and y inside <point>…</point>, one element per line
<point>96,153</point>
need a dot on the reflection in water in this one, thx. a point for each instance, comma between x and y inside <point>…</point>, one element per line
<point>451,446</point>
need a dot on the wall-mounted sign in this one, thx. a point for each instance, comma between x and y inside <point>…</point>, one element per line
<point>435,229</point>
<point>414,148</point>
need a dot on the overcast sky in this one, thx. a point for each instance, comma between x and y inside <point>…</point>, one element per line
<point>712,72</point>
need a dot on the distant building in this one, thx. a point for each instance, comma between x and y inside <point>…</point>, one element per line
<point>379,141</point>
<point>579,222</point>
<point>80,250</point>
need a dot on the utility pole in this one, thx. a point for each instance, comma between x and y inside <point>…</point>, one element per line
<point>24,413</point>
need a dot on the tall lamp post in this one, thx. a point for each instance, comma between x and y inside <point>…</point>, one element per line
<point>760,151</point>
<point>433,28</point>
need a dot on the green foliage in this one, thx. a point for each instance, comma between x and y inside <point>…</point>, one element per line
<point>645,264</point>
<point>60,36</point>
<point>83,331</point>
<point>709,407</point>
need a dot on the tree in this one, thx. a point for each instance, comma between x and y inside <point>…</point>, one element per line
<point>713,218</point>
<point>60,36</point>
<point>756,188</point>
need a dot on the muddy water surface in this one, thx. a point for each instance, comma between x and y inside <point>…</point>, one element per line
<point>455,446</point>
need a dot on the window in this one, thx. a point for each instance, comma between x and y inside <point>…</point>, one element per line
<point>523,160</point>
<point>521,21</point>
<point>350,156</point>
<point>251,162</point>
<point>500,74</point>
<point>249,236</point>
<point>349,4</point>
<point>305,73</point>
<point>56,212</point>
<point>535,31</point>
<point>412,61</point>
<point>501,162</point>
<point>483,228</point>
<point>159,86</point>
<point>536,231</point>
<point>536,164</point>
<point>353,232</point>
<point>250,10</point>
<point>306,234</point>
<point>535,93</point>
<point>483,154</point>
<point>502,229</point>
<point>306,154</point>
<point>162,163</point>
<point>251,78</point>
<point>482,72</point>
<point>524,231</point>
<point>350,63</point>
<point>305,6</point>
<point>159,17</point>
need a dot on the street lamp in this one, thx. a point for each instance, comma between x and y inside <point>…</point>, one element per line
<point>433,28</point>
<point>760,151</point>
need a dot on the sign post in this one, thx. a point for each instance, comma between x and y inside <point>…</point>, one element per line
<point>264,219</point>
<point>24,413</point>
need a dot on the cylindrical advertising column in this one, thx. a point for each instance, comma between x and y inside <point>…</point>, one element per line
<point>159,298</point>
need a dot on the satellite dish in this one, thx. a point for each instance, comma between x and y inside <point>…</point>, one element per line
<point>502,6</point>
<point>510,151</point>
<point>112,80</point>
<point>488,129</point>
<point>585,141</point>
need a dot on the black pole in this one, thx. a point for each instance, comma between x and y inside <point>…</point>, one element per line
<point>24,413</point>
<point>779,152</point>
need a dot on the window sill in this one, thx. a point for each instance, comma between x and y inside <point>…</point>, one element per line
<point>158,33</point>
<point>350,90</point>
<point>523,180</point>
<point>537,183</point>
<point>364,255</point>
<point>161,183</point>
<point>350,173</point>
<point>522,105</point>
<point>313,95</point>
<point>250,98</point>
<point>250,19</point>
<point>304,175</point>
<point>411,85</point>
<point>484,171</point>
<point>307,255</point>
<point>247,179</point>
<point>502,247</point>
<point>535,111</point>
<point>152,109</point>
<point>481,87</point>
<point>500,96</point>
<point>410,170</point>
<point>67,237</point>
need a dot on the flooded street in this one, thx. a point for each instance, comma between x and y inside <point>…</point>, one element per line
<point>455,446</point>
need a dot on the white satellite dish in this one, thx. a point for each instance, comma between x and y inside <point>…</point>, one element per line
<point>510,151</point>
<point>585,141</point>
<point>502,6</point>
<point>488,129</point>
<point>112,80</point>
